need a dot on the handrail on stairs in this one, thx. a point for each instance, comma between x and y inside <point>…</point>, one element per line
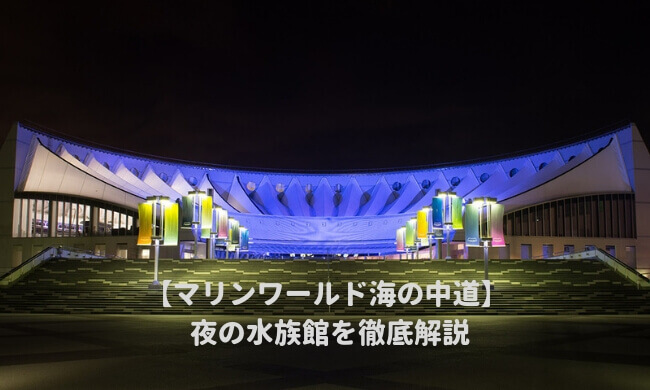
<point>35,261</point>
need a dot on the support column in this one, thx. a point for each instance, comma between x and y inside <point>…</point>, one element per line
<point>155,284</point>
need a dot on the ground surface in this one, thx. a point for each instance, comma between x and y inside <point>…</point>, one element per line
<point>53,351</point>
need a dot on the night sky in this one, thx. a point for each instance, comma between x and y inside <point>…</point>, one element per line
<point>324,85</point>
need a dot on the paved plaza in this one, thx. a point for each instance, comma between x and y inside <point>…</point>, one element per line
<point>51,351</point>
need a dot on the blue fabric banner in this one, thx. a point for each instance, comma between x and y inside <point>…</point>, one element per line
<point>244,239</point>
<point>437,208</point>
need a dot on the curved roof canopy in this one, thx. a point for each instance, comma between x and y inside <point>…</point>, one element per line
<point>326,212</point>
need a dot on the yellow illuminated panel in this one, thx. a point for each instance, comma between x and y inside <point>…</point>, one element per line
<point>206,216</point>
<point>423,223</point>
<point>145,214</point>
<point>170,235</point>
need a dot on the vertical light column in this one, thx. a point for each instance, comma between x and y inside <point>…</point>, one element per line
<point>423,217</point>
<point>484,221</point>
<point>192,207</point>
<point>155,215</point>
<point>447,216</point>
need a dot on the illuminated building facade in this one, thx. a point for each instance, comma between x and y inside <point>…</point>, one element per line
<point>590,193</point>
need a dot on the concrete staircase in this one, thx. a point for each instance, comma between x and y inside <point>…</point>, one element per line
<point>565,286</point>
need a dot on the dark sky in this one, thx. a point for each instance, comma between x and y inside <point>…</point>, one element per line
<point>324,85</point>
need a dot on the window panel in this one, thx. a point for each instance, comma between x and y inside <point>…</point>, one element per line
<point>620,212</point>
<point>87,224</point>
<point>101,225</point>
<point>567,218</point>
<point>601,216</point>
<point>109,222</point>
<point>74,209</point>
<point>560,218</point>
<point>546,220</point>
<point>31,213</point>
<point>588,219</point>
<point>16,220</point>
<point>62,216</point>
<point>580,217</point>
<point>628,217</point>
<point>608,216</point>
<point>615,219</point>
<point>517,226</point>
<point>552,219</point>
<point>524,222</point>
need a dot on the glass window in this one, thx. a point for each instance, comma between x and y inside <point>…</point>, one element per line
<point>101,225</point>
<point>46,219</point>
<point>60,218</point>
<point>100,249</point>
<point>122,224</point>
<point>116,222</point>
<point>122,251</point>
<point>144,253</point>
<point>74,220</point>
<point>17,213</point>
<point>31,214</point>
<point>37,212</point>
<point>82,219</point>
<point>68,219</point>
<point>24,218</point>
<point>109,222</point>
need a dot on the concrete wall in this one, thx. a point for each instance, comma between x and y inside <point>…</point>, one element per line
<point>7,174</point>
<point>642,197</point>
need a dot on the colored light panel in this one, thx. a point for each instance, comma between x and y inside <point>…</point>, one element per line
<point>145,215</point>
<point>170,235</point>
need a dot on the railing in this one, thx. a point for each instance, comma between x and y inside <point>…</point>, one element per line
<point>555,255</point>
<point>46,254</point>
<point>625,270</point>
